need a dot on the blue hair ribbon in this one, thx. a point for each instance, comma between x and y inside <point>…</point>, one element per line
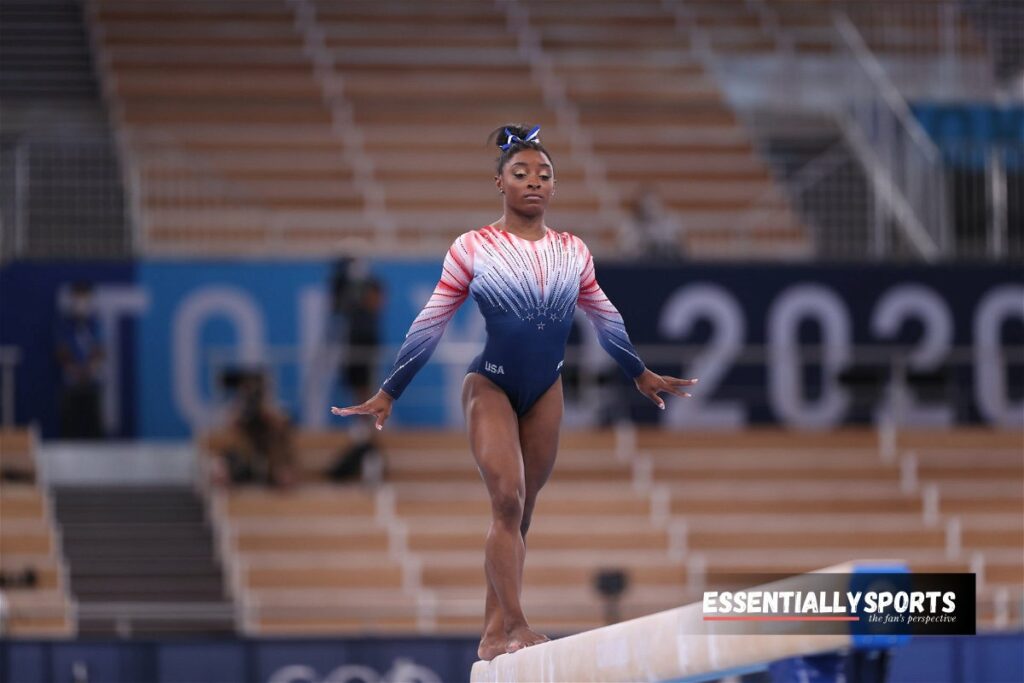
<point>514,139</point>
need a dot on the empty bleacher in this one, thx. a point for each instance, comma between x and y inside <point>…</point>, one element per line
<point>659,121</point>
<point>324,126</point>
<point>230,141</point>
<point>427,83</point>
<point>342,126</point>
<point>675,512</point>
<point>980,488</point>
<point>36,587</point>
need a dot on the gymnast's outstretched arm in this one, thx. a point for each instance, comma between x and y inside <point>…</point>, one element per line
<point>611,332</point>
<point>424,334</point>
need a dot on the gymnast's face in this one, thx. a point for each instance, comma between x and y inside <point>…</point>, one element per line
<point>527,181</point>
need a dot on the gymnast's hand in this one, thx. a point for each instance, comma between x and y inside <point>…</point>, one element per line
<point>651,384</point>
<point>379,406</point>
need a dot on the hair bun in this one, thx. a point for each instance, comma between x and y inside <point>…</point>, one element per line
<point>513,138</point>
<point>499,136</point>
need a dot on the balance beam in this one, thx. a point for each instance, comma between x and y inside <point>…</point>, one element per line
<point>667,646</point>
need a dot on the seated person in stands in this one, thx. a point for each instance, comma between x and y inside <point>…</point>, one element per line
<point>652,232</point>
<point>258,445</point>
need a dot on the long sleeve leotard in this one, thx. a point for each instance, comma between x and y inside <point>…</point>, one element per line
<point>527,291</point>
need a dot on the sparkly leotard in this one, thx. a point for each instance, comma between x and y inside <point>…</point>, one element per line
<point>527,291</point>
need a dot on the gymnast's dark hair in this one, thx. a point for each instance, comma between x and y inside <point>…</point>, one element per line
<point>500,136</point>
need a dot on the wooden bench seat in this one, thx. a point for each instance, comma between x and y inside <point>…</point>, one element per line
<point>17,455</point>
<point>877,540</point>
<point>540,539</point>
<point>742,561</point>
<point>332,501</point>
<point>36,613</point>
<point>21,502</point>
<point>383,577</point>
<point>358,625</point>
<point>538,575</point>
<point>547,506</point>
<point>326,540</point>
<point>981,497</point>
<point>810,473</point>
<point>970,472</point>
<point>992,531</point>
<point>1003,567</point>
<point>26,542</point>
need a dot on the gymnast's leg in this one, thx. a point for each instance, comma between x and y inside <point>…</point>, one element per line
<point>494,440</point>
<point>538,435</point>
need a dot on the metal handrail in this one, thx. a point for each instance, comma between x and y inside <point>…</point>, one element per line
<point>903,164</point>
<point>886,88</point>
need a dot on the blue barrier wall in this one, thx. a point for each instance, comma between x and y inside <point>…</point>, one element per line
<point>170,319</point>
<point>29,299</point>
<point>981,659</point>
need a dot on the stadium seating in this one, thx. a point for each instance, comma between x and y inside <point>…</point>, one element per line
<point>224,126</point>
<point>30,546</point>
<point>676,512</point>
<point>425,107</point>
<point>981,490</point>
<point>256,130</point>
<point>300,128</point>
<point>658,121</point>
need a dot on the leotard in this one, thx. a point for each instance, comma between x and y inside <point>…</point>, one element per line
<point>527,291</point>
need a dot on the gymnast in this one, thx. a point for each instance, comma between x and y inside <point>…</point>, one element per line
<point>527,280</point>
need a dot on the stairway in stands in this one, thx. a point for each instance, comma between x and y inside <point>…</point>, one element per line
<point>829,187</point>
<point>142,562</point>
<point>61,186</point>
<point>44,49</point>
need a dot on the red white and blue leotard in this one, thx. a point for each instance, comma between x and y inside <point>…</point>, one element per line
<point>527,291</point>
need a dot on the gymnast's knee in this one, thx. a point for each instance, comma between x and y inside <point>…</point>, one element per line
<point>507,506</point>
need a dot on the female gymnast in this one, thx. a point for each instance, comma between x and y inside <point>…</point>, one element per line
<point>527,280</point>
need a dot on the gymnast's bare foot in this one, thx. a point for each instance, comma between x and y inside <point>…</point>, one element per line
<point>491,645</point>
<point>523,636</point>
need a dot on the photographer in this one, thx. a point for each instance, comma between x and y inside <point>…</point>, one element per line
<point>80,352</point>
<point>258,444</point>
<point>357,300</point>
